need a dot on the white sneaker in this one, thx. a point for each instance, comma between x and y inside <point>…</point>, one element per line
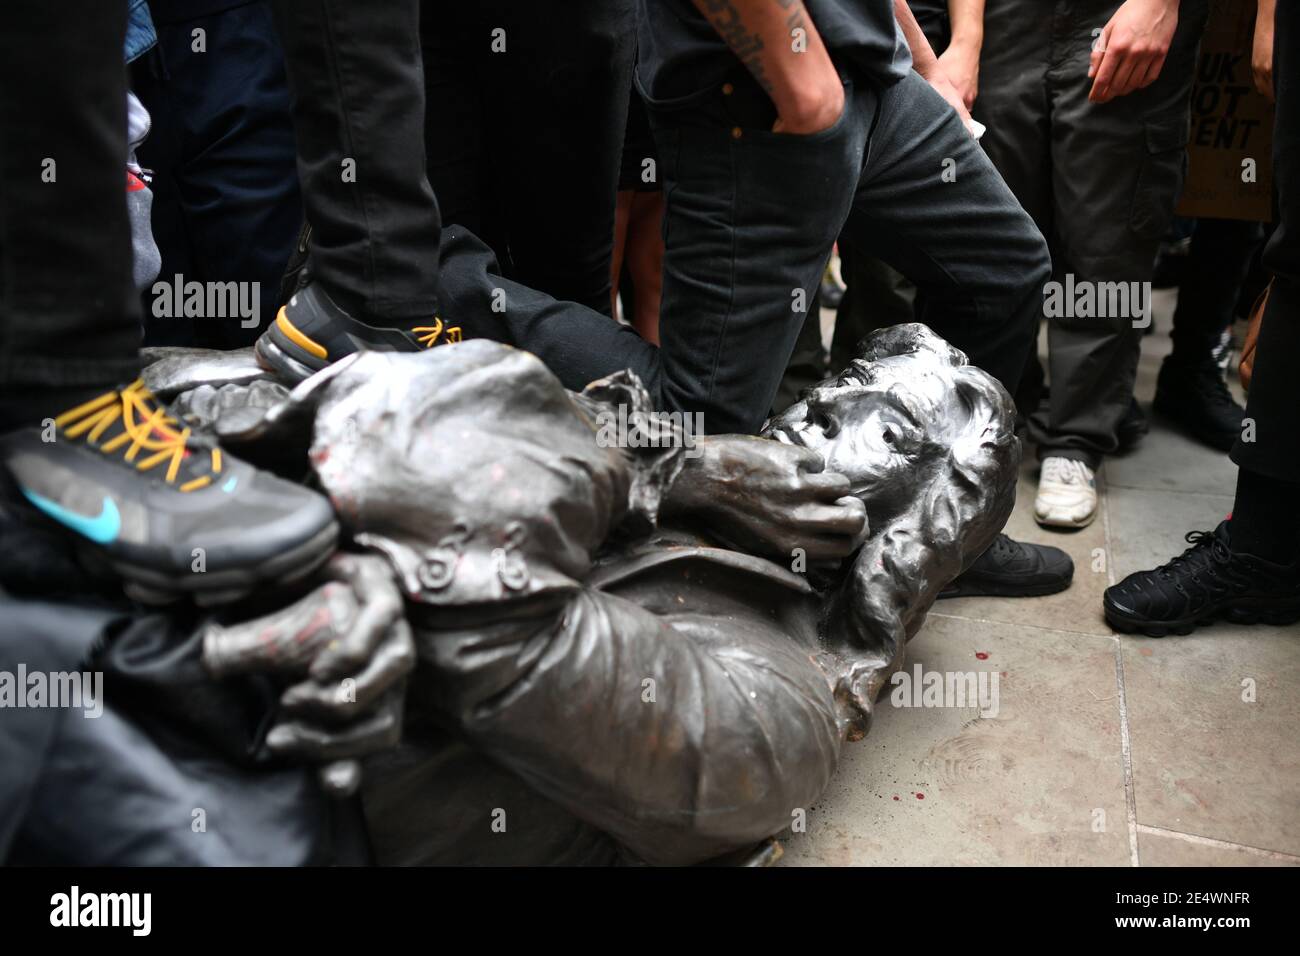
<point>1067,494</point>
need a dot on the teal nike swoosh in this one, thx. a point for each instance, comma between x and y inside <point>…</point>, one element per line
<point>103,529</point>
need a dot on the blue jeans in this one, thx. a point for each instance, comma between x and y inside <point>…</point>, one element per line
<point>226,203</point>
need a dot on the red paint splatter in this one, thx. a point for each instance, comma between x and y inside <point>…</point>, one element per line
<point>920,796</point>
<point>895,797</point>
<point>982,655</point>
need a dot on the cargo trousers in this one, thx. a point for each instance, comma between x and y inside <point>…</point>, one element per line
<point>1100,180</point>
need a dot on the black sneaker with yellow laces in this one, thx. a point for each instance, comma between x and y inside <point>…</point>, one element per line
<point>312,331</point>
<point>169,511</point>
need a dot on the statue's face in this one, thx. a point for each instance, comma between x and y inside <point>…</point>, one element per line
<point>878,423</point>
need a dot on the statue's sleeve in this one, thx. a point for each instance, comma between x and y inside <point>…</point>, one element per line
<point>652,444</point>
<point>683,736</point>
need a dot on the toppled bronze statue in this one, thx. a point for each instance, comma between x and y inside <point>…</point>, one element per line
<point>620,650</point>
<point>538,647</point>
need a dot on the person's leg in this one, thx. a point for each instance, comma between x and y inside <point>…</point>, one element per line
<point>1013,105</point>
<point>170,513</point>
<point>358,115</point>
<point>622,222</point>
<point>883,297</point>
<point>751,217</point>
<point>638,226</point>
<point>578,344</point>
<point>1218,259</point>
<point>874,298</point>
<point>357,87</point>
<point>164,152</point>
<point>645,261</point>
<point>973,252</point>
<point>69,318</point>
<point>1190,389</point>
<point>1248,570</point>
<point>1266,516</point>
<point>1117,168</point>
<point>458,161</point>
<point>807,365</point>
<point>979,265</point>
<point>559,97</point>
<point>235,180</point>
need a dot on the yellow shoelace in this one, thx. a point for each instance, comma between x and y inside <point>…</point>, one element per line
<point>146,426</point>
<point>428,334</point>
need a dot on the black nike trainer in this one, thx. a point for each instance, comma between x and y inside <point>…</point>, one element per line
<point>312,331</point>
<point>1207,582</point>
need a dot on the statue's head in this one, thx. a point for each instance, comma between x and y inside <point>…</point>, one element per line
<point>928,443</point>
<point>908,421</point>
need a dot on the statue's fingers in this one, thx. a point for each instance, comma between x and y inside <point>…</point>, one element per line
<point>341,778</point>
<point>353,648</point>
<point>855,515</point>
<point>318,744</point>
<point>827,485</point>
<point>283,642</point>
<point>847,516</point>
<point>353,569</point>
<point>344,699</point>
<point>806,461</point>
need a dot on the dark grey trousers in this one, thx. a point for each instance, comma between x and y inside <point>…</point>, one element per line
<point>1100,180</point>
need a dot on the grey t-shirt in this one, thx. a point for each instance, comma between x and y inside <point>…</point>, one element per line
<point>680,53</point>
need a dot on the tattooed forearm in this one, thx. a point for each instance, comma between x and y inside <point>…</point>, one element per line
<point>795,14</point>
<point>747,45</point>
<point>778,43</point>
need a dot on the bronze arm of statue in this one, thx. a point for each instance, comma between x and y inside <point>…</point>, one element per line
<point>348,650</point>
<point>777,501</point>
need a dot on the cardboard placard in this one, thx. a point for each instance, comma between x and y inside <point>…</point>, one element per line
<point>1230,151</point>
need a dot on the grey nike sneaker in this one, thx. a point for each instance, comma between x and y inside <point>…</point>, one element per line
<point>170,512</point>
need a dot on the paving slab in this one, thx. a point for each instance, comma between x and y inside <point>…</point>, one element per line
<point>1076,609</point>
<point>1176,849</point>
<point>1042,782</point>
<point>1212,723</point>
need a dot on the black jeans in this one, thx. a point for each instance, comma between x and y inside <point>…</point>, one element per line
<point>752,216</point>
<point>226,205</point>
<point>526,139</point>
<point>876,296</point>
<point>750,222</point>
<point>1273,405</point>
<point>69,316</point>
<point>358,113</point>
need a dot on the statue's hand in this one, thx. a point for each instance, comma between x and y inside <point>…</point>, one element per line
<point>769,498</point>
<point>351,649</point>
